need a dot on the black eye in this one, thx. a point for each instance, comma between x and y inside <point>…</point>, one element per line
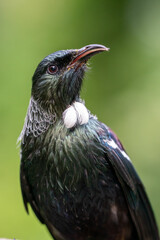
<point>52,69</point>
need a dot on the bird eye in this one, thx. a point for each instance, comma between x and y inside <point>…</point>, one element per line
<point>52,69</point>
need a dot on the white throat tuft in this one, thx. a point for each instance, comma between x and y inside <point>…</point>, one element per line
<point>77,113</point>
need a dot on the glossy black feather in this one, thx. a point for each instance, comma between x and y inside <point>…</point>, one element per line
<point>137,200</point>
<point>28,196</point>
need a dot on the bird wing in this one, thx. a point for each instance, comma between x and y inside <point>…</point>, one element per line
<point>133,189</point>
<point>27,195</point>
<point>28,198</point>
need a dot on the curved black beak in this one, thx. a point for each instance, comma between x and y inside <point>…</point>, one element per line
<point>83,54</point>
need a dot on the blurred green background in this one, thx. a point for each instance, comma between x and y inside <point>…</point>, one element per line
<point>122,88</point>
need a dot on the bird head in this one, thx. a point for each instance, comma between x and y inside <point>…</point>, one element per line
<point>57,80</point>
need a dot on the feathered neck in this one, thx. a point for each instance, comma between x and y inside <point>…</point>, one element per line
<point>38,119</point>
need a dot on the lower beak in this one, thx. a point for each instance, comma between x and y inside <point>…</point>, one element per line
<point>83,54</point>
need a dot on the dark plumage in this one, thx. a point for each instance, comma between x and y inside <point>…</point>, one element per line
<point>75,173</point>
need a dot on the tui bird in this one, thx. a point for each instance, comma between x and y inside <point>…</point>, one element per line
<point>74,171</point>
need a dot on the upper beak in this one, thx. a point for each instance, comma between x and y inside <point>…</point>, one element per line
<point>86,52</point>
